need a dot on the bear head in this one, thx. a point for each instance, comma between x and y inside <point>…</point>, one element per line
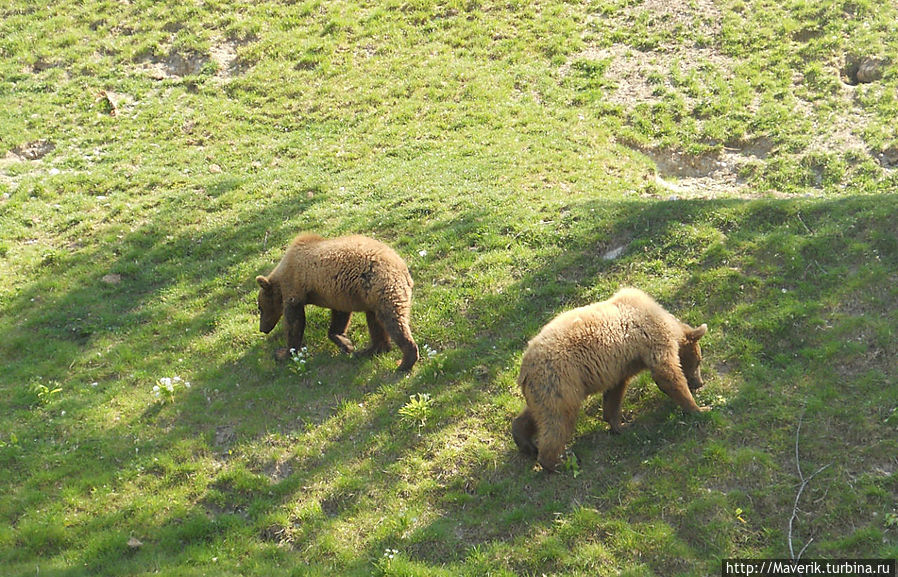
<point>691,355</point>
<point>271,305</point>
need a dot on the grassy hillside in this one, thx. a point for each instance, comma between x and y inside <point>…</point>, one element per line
<point>736,159</point>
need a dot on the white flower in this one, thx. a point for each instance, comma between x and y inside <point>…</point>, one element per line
<point>422,252</point>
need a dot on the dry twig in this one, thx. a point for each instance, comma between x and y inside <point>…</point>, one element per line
<point>804,483</point>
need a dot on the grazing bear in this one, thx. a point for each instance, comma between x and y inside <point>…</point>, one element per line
<point>345,274</point>
<point>598,349</point>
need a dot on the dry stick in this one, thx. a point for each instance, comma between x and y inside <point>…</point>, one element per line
<point>804,483</point>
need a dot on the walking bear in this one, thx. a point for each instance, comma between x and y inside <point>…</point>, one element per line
<point>345,274</point>
<point>598,349</point>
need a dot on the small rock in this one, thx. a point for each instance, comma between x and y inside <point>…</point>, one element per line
<point>113,102</point>
<point>112,278</point>
<point>134,543</point>
<point>614,252</point>
<point>214,169</point>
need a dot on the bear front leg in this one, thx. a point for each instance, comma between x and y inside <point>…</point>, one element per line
<point>611,406</point>
<point>553,433</point>
<point>671,380</point>
<point>523,428</point>
<point>295,324</point>
<point>337,331</point>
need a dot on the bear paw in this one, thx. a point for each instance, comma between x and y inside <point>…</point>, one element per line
<point>373,350</point>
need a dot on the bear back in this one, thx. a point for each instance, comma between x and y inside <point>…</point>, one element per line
<point>345,273</point>
<point>604,341</point>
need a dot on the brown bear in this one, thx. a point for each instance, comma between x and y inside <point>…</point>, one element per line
<point>598,349</point>
<point>345,274</point>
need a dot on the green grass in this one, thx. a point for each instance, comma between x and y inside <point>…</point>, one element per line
<point>487,142</point>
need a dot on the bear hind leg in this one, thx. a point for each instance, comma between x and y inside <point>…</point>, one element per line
<point>611,406</point>
<point>380,340</point>
<point>337,331</point>
<point>523,429</point>
<point>397,327</point>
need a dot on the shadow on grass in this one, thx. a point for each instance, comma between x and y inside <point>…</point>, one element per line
<point>772,278</point>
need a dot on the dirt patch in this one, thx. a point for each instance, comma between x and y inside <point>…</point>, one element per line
<point>707,175</point>
<point>278,471</point>
<point>282,535</point>
<point>179,65</point>
<point>682,45</point>
<point>224,436</point>
<point>28,152</point>
<point>224,54</point>
<point>176,65</point>
<point>670,15</point>
<point>33,150</point>
<point>638,77</point>
<point>888,158</point>
<point>642,76</point>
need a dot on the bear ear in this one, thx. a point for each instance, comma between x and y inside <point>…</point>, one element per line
<point>697,333</point>
<point>263,282</point>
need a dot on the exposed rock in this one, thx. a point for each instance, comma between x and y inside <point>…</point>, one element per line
<point>870,70</point>
<point>888,158</point>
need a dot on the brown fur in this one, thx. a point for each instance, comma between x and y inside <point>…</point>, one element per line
<point>345,274</point>
<point>598,349</point>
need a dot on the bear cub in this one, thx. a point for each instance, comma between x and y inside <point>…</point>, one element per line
<point>345,274</point>
<point>599,348</point>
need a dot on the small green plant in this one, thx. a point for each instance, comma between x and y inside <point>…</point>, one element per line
<point>892,419</point>
<point>299,361</point>
<point>45,393</point>
<point>571,465</point>
<point>385,563</point>
<point>892,520</point>
<point>416,410</point>
<point>12,442</point>
<point>164,390</point>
